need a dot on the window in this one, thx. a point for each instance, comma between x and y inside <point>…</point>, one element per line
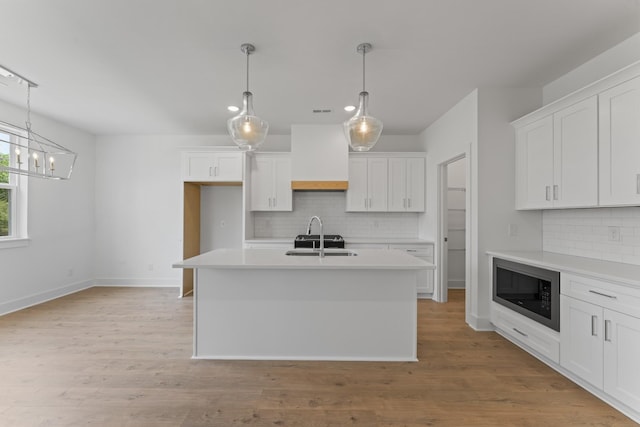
<point>13,192</point>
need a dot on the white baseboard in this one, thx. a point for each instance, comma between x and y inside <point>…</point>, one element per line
<point>456,284</point>
<point>142,283</point>
<point>480,323</point>
<point>35,299</point>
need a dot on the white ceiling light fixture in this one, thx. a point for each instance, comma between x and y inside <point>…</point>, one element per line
<point>247,130</point>
<point>362,130</point>
<point>32,154</point>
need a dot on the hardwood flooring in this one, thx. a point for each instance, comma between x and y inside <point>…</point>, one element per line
<point>121,357</point>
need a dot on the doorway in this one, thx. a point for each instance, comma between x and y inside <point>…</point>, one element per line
<point>453,220</point>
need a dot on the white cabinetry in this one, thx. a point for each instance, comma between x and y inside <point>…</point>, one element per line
<point>271,183</point>
<point>367,185</point>
<point>425,253</point>
<point>600,336</point>
<point>619,112</point>
<point>208,166</point>
<point>406,184</point>
<point>557,158</point>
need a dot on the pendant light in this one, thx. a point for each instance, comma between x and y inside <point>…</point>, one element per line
<point>362,130</point>
<point>247,130</point>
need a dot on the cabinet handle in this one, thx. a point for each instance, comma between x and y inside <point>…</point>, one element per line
<point>603,295</point>
<point>555,192</point>
<point>275,202</point>
<point>594,326</point>
<point>547,195</point>
<point>520,332</point>
<point>638,183</point>
<point>365,203</point>
<point>409,202</point>
<point>412,250</point>
<point>269,201</point>
<point>369,202</point>
<point>607,335</point>
<point>210,171</point>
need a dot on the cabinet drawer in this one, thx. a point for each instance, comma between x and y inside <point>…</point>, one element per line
<point>605,294</point>
<point>419,250</point>
<point>520,329</point>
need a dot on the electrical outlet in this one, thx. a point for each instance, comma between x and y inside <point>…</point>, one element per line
<point>614,234</point>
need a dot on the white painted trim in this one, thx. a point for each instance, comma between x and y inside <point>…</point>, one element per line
<point>35,299</point>
<point>142,283</point>
<point>456,284</point>
<point>480,323</point>
<point>614,79</point>
<point>626,410</point>
<point>19,242</point>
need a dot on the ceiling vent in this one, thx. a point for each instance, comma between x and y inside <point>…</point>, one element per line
<point>322,110</point>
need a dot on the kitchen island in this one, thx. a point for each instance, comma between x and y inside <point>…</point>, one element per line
<point>262,304</point>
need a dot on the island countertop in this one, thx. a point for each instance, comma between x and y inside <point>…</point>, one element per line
<point>370,259</point>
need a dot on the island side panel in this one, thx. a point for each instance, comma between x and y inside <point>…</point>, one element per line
<point>302,314</point>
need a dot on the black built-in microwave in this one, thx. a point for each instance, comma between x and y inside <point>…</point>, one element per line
<point>531,291</point>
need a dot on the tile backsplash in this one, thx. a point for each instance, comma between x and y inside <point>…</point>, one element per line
<point>611,234</point>
<point>330,207</point>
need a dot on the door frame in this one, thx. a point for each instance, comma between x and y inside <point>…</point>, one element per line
<point>442,285</point>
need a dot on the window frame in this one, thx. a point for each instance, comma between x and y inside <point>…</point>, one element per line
<point>18,200</point>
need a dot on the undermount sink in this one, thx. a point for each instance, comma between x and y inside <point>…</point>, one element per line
<point>317,253</point>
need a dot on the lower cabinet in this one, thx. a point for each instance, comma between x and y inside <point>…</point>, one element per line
<point>602,347</point>
<point>598,345</point>
<point>425,253</point>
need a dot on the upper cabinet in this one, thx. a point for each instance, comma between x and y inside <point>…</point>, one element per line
<point>386,182</point>
<point>557,159</point>
<point>406,184</point>
<point>210,166</point>
<point>367,184</point>
<point>271,182</point>
<point>620,144</point>
<point>581,150</point>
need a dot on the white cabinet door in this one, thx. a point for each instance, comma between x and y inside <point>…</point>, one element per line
<point>261,183</point>
<point>367,185</point>
<point>581,335</point>
<point>357,194</point>
<point>197,166</point>
<point>619,150</point>
<point>271,183</point>
<point>575,157</point>
<point>534,164</point>
<point>397,185</point>
<point>282,193</point>
<point>227,167</point>
<point>621,357</point>
<point>415,184</point>
<point>377,184</point>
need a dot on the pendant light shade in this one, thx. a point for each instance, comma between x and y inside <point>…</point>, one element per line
<point>362,130</point>
<point>247,130</point>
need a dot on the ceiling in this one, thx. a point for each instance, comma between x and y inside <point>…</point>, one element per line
<point>173,66</point>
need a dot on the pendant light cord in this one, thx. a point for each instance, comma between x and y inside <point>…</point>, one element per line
<point>28,123</point>
<point>248,70</point>
<point>364,52</point>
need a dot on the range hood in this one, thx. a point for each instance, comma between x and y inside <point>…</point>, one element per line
<point>319,158</point>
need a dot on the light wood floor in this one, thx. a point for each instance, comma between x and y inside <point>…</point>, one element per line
<point>121,357</point>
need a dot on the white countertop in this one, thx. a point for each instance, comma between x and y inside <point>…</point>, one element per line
<point>625,274</point>
<point>369,259</point>
<point>348,240</point>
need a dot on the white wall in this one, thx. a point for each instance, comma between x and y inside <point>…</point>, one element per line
<point>60,256</point>
<point>479,127</point>
<point>220,217</point>
<point>612,60</point>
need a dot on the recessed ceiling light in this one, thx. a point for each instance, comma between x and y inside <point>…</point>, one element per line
<point>349,108</point>
<point>233,108</point>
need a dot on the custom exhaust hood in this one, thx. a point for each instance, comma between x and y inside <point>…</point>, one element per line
<point>319,158</point>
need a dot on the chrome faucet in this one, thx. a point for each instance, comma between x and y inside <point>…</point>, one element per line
<point>321,233</point>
